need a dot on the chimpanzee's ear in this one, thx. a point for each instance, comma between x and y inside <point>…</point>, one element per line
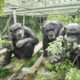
<point>43,25</point>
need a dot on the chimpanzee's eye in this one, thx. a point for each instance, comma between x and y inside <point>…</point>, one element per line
<point>52,29</point>
<point>10,30</point>
<point>68,34</point>
<point>71,34</point>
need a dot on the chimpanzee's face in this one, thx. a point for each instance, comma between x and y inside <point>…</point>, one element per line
<point>18,33</point>
<point>72,37</point>
<point>50,31</point>
<point>72,34</point>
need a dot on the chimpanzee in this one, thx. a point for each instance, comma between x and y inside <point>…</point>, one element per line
<point>71,34</point>
<point>50,30</point>
<point>23,41</point>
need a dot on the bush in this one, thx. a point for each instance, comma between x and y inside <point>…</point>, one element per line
<point>63,19</point>
<point>73,74</point>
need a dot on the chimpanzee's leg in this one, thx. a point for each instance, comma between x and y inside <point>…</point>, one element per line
<point>25,51</point>
<point>7,59</point>
<point>45,45</point>
<point>28,50</point>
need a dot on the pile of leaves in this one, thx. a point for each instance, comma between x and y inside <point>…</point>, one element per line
<point>55,47</point>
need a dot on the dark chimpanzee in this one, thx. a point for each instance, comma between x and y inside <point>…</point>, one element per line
<point>23,40</point>
<point>71,34</point>
<point>50,30</point>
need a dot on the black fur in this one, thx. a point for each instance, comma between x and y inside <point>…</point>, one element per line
<point>72,32</point>
<point>52,29</point>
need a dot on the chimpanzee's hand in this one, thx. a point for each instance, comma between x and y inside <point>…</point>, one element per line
<point>8,45</point>
<point>55,58</point>
<point>20,43</point>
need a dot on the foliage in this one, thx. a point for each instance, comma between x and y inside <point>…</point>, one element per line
<point>73,74</point>
<point>32,22</point>
<point>54,71</point>
<point>42,74</point>
<point>63,70</point>
<point>3,21</point>
<point>1,6</point>
<point>4,73</point>
<point>29,21</point>
<point>2,42</point>
<point>39,35</point>
<point>62,18</point>
<point>2,3</point>
<point>40,77</point>
<point>77,17</point>
<point>66,19</point>
<point>64,65</point>
<point>55,47</point>
<point>45,76</point>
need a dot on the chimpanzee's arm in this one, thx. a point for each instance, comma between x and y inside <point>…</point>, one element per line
<point>45,45</point>
<point>32,38</point>
<point>62,32</point>
<point>7,57</point>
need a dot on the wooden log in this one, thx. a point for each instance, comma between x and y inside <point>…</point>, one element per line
<point>31,72</point>
<point>34,68</point>
<point>3,50</point>
<point>14,66</point>
<point>37,48</point>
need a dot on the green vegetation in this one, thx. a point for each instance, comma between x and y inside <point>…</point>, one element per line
<point>4,73</point>
<point>65,19</point>
<point>55,47</point>
<point>73,74</point>
<point>32,61</point>
<point>2,3</point>
<point>39,35</point>
<point>30,21</point>
<point>59,71</point>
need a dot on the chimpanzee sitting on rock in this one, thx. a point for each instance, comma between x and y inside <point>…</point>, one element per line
<point>23,41</point>
<point>50,30</point>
